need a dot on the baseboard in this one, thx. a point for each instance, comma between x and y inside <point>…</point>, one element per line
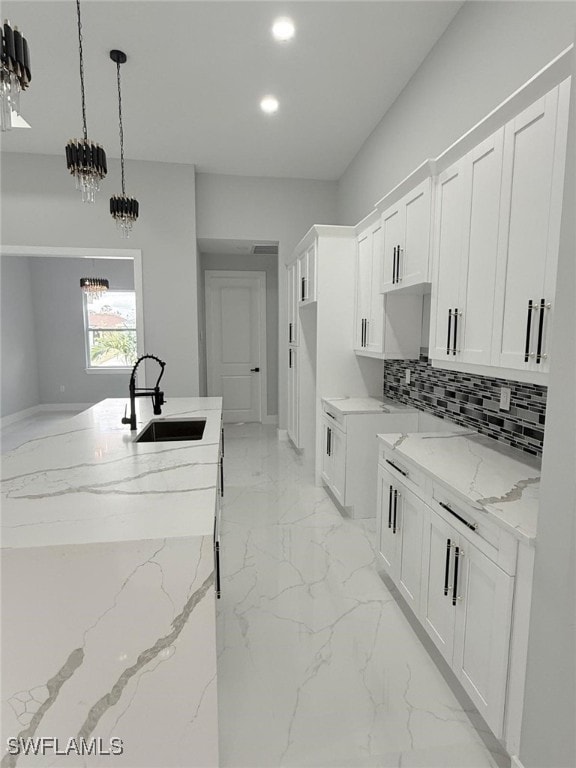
<point>5,421</point>
<point>12,418</point>
<point>515,762</point>
<point>270,419</point>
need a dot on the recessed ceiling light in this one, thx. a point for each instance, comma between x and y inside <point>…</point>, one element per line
<point>283,29</point>
<point>269,104</point>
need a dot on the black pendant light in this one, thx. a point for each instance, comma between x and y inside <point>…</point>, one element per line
<point>124,209</point>
<point>85,160</point>
<point>15,74</point>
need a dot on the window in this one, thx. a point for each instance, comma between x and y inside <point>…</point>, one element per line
<point>110,330</point>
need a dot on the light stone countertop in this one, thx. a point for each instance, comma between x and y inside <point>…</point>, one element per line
<point>88,481</point>
<point>347,405</point>
<point>489,476</point>
<point>107,546</point>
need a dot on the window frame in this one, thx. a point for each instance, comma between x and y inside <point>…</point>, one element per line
<point>89,368</point>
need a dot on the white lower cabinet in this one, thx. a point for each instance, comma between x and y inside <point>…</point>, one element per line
<point>401,525</point>
<point>450,575</point>
<point>334,458</point>
<point>467,610</point>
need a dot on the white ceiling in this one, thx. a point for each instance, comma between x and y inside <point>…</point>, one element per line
<point>196,72</point>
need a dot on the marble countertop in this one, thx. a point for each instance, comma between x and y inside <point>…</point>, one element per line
<point>347,405</point>
<point>88,481</point>
<point>492,478</point>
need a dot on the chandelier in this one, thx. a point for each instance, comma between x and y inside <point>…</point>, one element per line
<point>85,160</point>
<point>124,209</point>
<point>94,287</point>
<point>15,72</point>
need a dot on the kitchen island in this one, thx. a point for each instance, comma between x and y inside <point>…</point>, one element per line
<point>108,616</point>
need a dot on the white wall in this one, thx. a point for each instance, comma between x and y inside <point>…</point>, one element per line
<point>59,323</point>
<point>489,50</point>
<point>548,729</point>
<point>18,338</point>
<point>41,207</point>
<point>252,208</point>
<point>269,265</point>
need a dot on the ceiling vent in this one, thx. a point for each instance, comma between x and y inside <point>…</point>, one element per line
<point>265,249</point>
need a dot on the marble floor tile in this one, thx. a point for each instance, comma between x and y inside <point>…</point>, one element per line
<point>317,664</point>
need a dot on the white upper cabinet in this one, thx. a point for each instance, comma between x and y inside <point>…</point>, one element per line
<point>292,277</point>
<point>497,229</point>
<point>466,246</point>
<point>307,276</point>
<point>406,239</point>
<point>530,213</point>
<point>384,326</point>
<point>449,226</point>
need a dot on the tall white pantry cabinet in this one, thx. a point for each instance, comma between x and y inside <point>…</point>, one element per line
<point>321,361</point>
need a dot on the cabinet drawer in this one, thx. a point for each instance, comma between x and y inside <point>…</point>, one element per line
<point>495,543</point>
<point>401,469</point>
<point>335,417</point>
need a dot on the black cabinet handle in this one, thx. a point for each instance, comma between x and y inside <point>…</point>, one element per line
<point>363,339</point>
<point>399,251</point>
<point>390,507</point>
<point>362,333</point>
<point>217,588</point>
<point>472,526</point>
<point>290,357</point>
<point>447,567</point>
<point>254,370</point>
<point>394,266</point>
<point>542,308</point>
<point>222,433</point>
<point>528,328</point>
<point>366,326</point>
<point>290,337</point>
<point>456,313</point>
<point>302,280</point>
<point>396,468</point>
<point>455,589</point>
<point>221,476</point>
<point>449,331</point>
<point>395,510</point>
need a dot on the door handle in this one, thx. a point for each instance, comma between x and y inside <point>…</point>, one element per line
<point>255,370</point>
<point>539,354</point>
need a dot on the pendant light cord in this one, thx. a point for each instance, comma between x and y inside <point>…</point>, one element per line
<point>121,128</point>
<point>81,70</point>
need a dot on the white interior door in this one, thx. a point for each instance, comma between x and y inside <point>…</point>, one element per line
<point>236,343</point>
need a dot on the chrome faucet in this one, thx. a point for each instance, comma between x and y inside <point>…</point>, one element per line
<point>153,392</point>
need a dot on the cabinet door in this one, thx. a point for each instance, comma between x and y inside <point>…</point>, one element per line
<point>293,304</point>
<point>447,262</point>
<point>338,456</point>
<point>438,614</point>
<point>532,180</point>
<point>482,186</point>
<point>387,536</point>
<point>392,239</point>
<point>410,526</point>
<point>293,395</point>
<point>327,463</point>
<point>482,635</point>
<point>311,286</point>
<point>363,286</point>
<point>415,245</point>
<point>375,325</point>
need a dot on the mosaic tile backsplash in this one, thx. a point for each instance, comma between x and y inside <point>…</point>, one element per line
<point>471,401</point>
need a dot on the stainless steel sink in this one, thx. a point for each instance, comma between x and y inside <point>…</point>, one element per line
<point>170,430</point>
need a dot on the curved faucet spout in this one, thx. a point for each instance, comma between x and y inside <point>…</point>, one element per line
<point>153,392</point>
